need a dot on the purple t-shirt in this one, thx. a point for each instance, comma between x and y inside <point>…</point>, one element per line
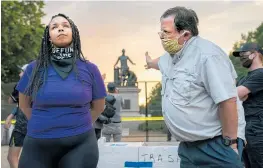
<point>62,107</point>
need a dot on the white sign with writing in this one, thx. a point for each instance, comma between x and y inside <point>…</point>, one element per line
<point>114,156</point>
<point>161,156</point>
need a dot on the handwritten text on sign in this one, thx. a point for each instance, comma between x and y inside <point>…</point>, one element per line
<point>159,158</point>
<point>160,154</point>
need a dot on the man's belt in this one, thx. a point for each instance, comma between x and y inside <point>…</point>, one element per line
<point>116,121</point>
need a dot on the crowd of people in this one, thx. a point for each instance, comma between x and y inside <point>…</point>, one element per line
<point>63,100</point>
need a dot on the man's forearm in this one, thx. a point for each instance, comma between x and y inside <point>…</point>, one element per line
<point>154,64</point>
<point>229,117</point>
<point>241,95</point>
<point>10,117</point>
<point>242,92</point>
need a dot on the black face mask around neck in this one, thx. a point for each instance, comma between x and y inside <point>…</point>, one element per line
<point>62,60</point>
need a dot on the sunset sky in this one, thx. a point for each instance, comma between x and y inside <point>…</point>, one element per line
<point>108,27</point>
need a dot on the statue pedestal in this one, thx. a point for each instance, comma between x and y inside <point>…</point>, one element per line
<point>130,97</point>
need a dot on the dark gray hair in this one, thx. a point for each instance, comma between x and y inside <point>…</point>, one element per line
<point>185,19</point>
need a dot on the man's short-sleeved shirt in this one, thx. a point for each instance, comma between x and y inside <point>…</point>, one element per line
<point>254,82</point>
<point>62,107</point>
<point>194,82</point>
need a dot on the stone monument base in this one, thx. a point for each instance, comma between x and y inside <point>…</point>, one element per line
<point>130,97</point>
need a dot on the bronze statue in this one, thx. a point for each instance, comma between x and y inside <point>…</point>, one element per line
<point>131,79</point>
<point>123,59</point>
<point>117,79</point>
<point>123,76</point>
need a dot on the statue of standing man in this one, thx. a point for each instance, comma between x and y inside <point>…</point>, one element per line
<point>124,66</point>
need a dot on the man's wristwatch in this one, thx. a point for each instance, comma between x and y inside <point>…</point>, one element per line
<point>228,141</point>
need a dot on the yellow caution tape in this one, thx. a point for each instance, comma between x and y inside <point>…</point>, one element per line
<point>141,118</point>
<point>13,122</point>
<point>123,119</point>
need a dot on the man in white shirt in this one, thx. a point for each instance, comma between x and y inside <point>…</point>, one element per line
<point>199,97</point>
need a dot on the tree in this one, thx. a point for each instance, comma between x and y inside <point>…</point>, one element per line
<point>21,35</point>
<point>252,36</point>
<point>155,101</point>
<point>154,105</point>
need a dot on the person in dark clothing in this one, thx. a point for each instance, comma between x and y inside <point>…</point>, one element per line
<point>20,129</point>
<point>169,136</point>
<point>250,91</point>
<point>98,125</point>
<point>114,128</point>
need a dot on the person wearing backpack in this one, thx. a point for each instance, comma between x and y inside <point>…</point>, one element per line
<point>114,127</point>
<point>98,124</point>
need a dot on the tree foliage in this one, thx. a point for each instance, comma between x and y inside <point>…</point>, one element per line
<point>21,33</point>
<point>154,101</point>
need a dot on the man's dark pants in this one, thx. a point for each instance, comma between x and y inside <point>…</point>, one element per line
<point>98,133</point>
<point>211,153</point>
<point>253,153</point>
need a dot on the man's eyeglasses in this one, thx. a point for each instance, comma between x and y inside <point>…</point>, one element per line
<point>163,34</point>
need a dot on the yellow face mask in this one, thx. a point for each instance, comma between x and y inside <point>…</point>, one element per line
<point>172,46</point>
